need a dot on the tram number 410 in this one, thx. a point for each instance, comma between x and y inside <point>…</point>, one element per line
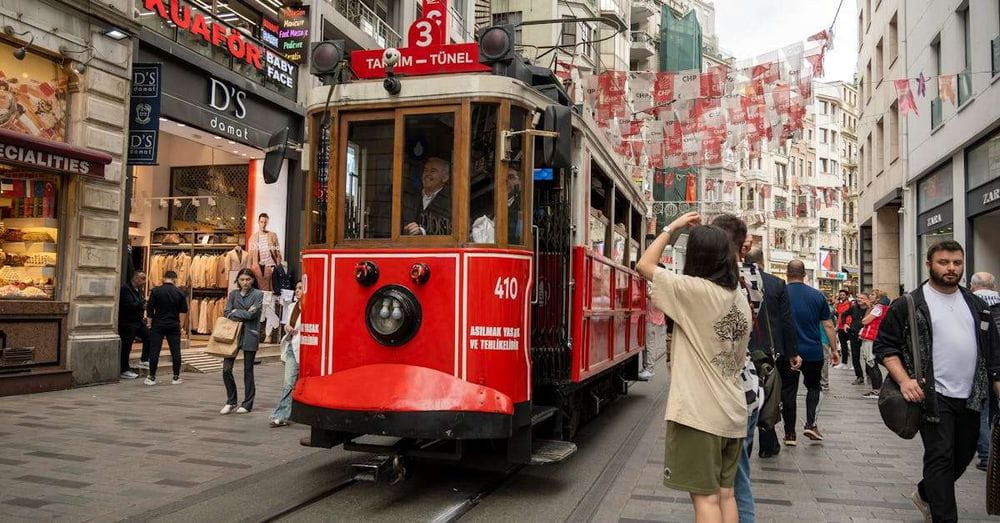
<point>506,288</point>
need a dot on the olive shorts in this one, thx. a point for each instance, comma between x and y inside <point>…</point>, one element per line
<point>699,462</point>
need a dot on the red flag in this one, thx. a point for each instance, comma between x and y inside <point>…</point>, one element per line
<point>816,61</point>
<point>905,96</point>
<point>691,192</point>
<point>822,36</point>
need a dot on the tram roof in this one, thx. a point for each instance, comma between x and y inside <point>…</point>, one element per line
<point>450,86</point>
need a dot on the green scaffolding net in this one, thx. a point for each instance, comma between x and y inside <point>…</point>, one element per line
<point>680,41</point>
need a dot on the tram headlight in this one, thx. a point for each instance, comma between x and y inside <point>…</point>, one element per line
<point>393,315</point>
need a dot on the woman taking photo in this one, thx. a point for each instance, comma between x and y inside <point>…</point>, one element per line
<point>243,305</point>
<point>706,407</point>
<point>290,355</point>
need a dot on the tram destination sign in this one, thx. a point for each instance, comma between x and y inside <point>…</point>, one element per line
<point>427,51</point>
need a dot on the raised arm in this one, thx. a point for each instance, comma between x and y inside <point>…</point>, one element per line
<point>647,262</point>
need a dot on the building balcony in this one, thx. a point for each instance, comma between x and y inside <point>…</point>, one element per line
<point>359,14</point>
<point>995,55</point>
<point>643,9</point>
<point>614,9</point>
<point>643,45</point>
<point>935,113</point>
<point>964,87</point>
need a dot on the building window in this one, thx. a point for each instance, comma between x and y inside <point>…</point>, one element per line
<point>879,146</point>
<point>833,137</point>
<point>822,135</point>
<point>809,166</point>
<point>513,18</point>
<point>569,35</point>
<point>966,27</point>
<point>823,106</point>
<point>823,165</point>
<point>879,73</point>
<point>893,132</point>
<point>868,74</point>
<point>588,39</point>
<point>893,40</point>
<point>834,168</point>
<point>823,225</point>
<point>861,29</point>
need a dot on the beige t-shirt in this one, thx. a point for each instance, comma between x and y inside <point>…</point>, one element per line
<point>712,329</point>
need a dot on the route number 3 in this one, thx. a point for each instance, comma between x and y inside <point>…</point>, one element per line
<point>506,288</point>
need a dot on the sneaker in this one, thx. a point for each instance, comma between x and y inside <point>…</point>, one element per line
<point>646,374</point>
<point>790,440</point>
<point>859,381</point>
<point>149,381</point>
<point>176,381</point>
<point>842,366</point>
<point>242,410</point>
<point>278,423</point>
<point>922,506</point>
<point>128,375</point>
<point>825,387</point>
<point>872,395</point>
<point>143,365</point>
<point>227,408</point>
<point>812,433</point>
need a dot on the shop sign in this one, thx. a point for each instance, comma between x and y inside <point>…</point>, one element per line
<point>144,113</point>
<point>21,149</point>
<point>428,50</point>
<point>230,101</point>
<point>936,218</point>
<point>830,275</point>
<point>294,34</point>
<point>984,198</point>
<point>269,32</point>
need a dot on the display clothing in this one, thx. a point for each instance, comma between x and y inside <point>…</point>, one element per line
<point>712,328</point>
<point>265,253</point>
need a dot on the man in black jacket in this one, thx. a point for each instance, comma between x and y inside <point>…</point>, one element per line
<point>774,333</point>
<point>959,351</point>
<point>131,324</point>
<point>166,304</point>
<point>428,212</point>
<point>857,314</point>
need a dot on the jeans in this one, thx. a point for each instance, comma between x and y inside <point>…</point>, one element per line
<point>824,380</point>
<point>173,336</point>
<point>789,391</point>
<point>249,390</point>
<point>284,407</point>
<point>949,447</point>
<point>742,486</point>
<point>856,356</point>
<point>811,376</point>
<point>128,334</point>
<point>845,346</point>
<point>983,446</point>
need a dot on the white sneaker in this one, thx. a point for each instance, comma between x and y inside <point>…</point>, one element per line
<point>176,381</point>
<point>149,381</point>
<point>646,374</point>
<point>128,375</point>
<point>143,365</point>
<point>227,409</point>
<point>241,410</point>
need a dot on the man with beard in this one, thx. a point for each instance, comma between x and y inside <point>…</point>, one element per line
<point>960,351</point>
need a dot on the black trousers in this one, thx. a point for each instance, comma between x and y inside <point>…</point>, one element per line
<point>949,447</point>
<point>845,346</point>
<point>856,356</point>
<point>874,376</point>
<point>173,336</point>
<point>789,391</point>
<point>128,333</point>
<point>812,375</point>
<point>249,390</point>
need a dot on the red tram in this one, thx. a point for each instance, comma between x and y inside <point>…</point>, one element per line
<point>457,286</point>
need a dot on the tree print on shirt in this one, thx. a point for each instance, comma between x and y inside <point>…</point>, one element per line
<point>730,327</point>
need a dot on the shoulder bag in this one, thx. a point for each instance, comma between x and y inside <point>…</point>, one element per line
<point>225,340</point>
<point>901,416</point>
<point>770,381</point>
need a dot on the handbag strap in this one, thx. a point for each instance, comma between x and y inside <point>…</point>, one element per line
<point>911,310</point>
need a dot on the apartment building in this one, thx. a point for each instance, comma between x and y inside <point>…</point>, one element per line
<point>953,148</point>
<point>881,59</point>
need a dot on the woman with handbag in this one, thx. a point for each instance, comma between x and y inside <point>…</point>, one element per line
<point>290,355</point>
<point>244,305</point>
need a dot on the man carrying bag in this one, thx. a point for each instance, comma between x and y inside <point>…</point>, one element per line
<point>958,350</point>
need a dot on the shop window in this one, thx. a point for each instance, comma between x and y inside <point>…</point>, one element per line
<point>482,174</point>
<point>227,184</point>
<point>29,232</point>
<point>428,164</point>
<point>978,161</point>
<point>935,189</point>
<point>368,191</point>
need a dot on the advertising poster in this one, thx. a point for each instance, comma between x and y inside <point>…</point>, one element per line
<point>32,95</point>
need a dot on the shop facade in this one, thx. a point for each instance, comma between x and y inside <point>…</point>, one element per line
<point>196,197</point>
<point>935,218</point>
<point>62,144</point>
<point>983,205</point>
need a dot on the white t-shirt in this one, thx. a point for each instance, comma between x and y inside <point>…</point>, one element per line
<point>954,346</point>
<point>711,332</point>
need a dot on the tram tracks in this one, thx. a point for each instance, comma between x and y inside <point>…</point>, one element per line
<point>292,508</point>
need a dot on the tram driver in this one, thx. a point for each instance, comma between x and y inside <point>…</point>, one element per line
<point>429,211</point>
<point>483,227</point>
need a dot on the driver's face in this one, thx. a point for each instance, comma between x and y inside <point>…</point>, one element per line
<point>435,174</point>
<point>513,182</point>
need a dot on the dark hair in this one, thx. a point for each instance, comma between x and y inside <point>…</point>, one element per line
<point>756,255</point>
<point>170,275</point>
<point>249,273</point>
<point>795,269</point>
<point>710,255</point>
<point>734,227</point>
<point>946,245</point>
<point>263,215</point>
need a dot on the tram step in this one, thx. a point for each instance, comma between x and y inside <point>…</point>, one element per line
<point>540,414</point>
<point>545,451</point>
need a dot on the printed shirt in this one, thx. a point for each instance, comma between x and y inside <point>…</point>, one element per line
<point>712,330</point>
<point>752,284</point>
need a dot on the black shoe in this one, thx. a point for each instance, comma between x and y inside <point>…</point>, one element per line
<point>765,455</point>
<point>859,381</point>
<point>981,466</point>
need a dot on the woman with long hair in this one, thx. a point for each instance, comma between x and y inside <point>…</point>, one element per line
<point>706,408</point>
<point>290,355</point>
<point>244,304</point>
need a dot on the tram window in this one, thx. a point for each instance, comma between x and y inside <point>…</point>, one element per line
<point>621,227</point>
<point>599,185</point>
<point>368,180</point>
<point>427,174</point>
<point>482,172</point>
<point>515,180</point>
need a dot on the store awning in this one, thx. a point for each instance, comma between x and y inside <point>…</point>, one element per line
<point>30,151</point>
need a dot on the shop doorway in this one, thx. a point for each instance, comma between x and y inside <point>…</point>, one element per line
<point>985,247</point>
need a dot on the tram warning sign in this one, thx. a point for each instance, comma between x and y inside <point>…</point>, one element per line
<point>427,51</point>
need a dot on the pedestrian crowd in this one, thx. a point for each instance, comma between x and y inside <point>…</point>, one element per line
<point>743,340</point>
<point>157,318</point>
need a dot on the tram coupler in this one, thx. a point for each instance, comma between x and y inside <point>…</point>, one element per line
<point>381,469</point>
